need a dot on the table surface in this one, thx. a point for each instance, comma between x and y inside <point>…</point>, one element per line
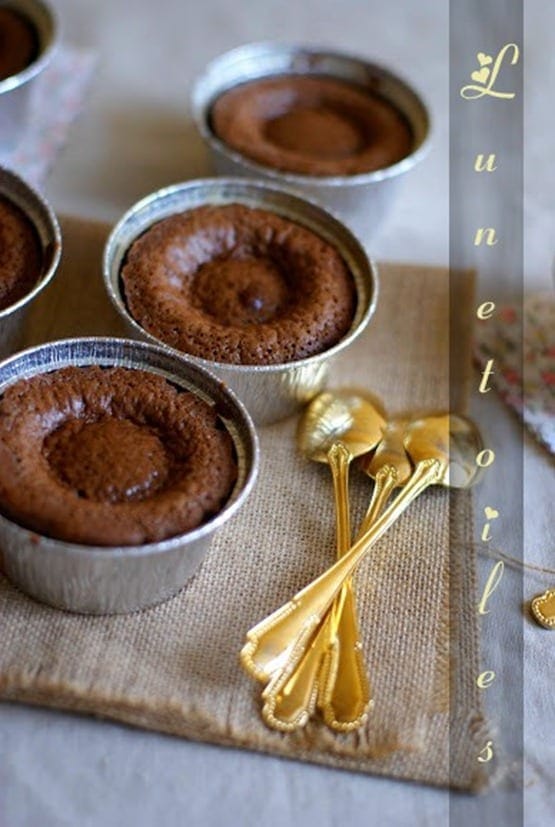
<point>135,136</point>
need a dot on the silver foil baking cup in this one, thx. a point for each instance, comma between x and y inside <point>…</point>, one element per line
<point>106,580</point>
<point>270,392</point>
<point>361,200</point>
<point>41,215</point>
<point>16,90</point>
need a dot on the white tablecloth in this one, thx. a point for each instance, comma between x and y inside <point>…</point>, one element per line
<point>135,136</point>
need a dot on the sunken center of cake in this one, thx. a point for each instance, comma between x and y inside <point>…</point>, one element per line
<point>241,291</point>
<point>237,284</point>
<point>111,456</point>
<point>112,460</point>
<point>18,42</point>
<point>320,132</point>
<point>312,125</point>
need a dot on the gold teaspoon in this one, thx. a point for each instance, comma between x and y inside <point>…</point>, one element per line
<point>345,696</point>
<point>336,427</point>
<point>291,627</point>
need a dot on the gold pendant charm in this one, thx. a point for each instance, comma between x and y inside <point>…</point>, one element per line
<point>543,609</point>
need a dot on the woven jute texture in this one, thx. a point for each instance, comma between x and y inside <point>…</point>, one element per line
<point>175,668</point>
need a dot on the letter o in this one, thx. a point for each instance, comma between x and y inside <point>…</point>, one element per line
<point>485,458</point>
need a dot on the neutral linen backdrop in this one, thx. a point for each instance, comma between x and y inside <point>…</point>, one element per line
<point>135,136</point>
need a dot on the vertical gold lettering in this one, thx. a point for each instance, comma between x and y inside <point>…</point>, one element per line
<point>485,458</point>
<point>485,679</point>
<point>489,165</point>
<point>486,75</point>
<point>486,754</point>
<point>492,583</point>
<point>485,311</point>
<point>489,232</point>
<point>491,514</point>
<point>486,373</point>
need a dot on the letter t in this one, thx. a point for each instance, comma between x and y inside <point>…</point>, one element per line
<point>486,373</point>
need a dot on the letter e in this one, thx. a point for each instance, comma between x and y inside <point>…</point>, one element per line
<point>485,311</point>
<point>485,679</point>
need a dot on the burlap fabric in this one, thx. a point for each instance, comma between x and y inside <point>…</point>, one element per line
<point>175,668</point>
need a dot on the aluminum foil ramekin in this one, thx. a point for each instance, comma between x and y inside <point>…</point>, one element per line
<point>16,90</point>
<point>39,212</point>
<point>362,200</point>
<point>270,392</point>
<point>105,580</point>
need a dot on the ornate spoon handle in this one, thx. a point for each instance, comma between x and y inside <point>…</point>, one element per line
<point>345,694</point>
<point>384,485</point>
<point>272,658</point>
<point>330,672</point>
<point>341,683</point>
<point>290,697</point>
<point>280,640</point>
<point>339,458</point>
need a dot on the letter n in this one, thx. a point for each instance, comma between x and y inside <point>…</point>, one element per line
<point>481,166</point>
<point>489,232</point>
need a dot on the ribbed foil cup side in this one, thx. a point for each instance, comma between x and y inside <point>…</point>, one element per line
<point>40,213</point>
<point>16,90</point>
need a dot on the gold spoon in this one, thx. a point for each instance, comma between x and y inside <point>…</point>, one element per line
<point>291,627</point>
<point>336,427</point>
<point>344,707</point>
<point>331,672</point>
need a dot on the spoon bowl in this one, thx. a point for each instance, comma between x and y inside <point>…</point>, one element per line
<point>348,416</point>
<point>453,440</point>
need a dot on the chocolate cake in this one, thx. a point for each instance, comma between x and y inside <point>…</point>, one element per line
<point>110,456</point>
<point>312,125</point>
<point>20,254</point>
<point>239,285</point>
<point>18,42</point>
